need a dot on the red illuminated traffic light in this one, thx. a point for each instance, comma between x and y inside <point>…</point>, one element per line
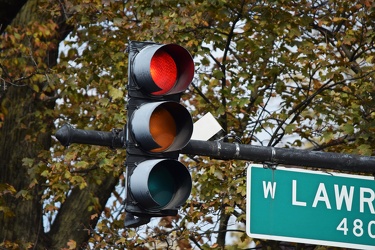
<point>159,70</point>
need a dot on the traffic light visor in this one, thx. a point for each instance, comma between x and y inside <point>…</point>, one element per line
<point>160,184</point>
<point>161,126</point>
<point>163,69</point>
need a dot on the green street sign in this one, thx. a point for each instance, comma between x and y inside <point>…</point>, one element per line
<point>313,207</point>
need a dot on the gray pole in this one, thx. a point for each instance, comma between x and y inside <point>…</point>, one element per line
<point>226,151</point>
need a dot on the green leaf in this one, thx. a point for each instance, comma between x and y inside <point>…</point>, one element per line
<point>218,74</point>
<point>348,129</point>
<point>365,149</point>
<point>289,129</point>
<point>115,93</point>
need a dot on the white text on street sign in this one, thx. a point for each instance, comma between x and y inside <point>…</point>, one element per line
<point>312,207</point>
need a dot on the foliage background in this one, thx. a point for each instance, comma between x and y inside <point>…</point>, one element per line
<point>274,73</point>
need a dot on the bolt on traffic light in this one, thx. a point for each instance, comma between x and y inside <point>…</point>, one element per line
<point>158,127</point>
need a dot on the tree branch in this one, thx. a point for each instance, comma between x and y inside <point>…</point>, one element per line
<point>74,219</point>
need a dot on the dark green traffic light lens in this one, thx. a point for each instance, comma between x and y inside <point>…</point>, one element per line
<point>161,185</point>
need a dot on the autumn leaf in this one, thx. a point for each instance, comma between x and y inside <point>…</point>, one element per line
<point>72,244</point>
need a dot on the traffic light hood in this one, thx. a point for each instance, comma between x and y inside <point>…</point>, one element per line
<point>163,69</point>
<point>160,184</point>
<point>161,126</point>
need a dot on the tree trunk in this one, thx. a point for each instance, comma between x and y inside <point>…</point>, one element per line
<point>8,10</point>
<point>26,125</point>
<point>20,137</point>
<point>74,220</point>
<point>24,132</point>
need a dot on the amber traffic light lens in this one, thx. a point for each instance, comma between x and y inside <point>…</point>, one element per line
<point>162,128</point>
<point>163,71</point>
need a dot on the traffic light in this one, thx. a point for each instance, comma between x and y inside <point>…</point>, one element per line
<point>158,127</point>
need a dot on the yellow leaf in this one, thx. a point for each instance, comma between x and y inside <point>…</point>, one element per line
<point>36,88</point>
<point>338,19</point>
<point>72,244</point>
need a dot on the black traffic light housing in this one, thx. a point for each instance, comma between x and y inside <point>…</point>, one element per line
<point>158,127</point>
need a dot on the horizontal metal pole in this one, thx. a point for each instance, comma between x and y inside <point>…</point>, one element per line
<point>226,151</point>
<point>287,156</point>
<point>68,135</point>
